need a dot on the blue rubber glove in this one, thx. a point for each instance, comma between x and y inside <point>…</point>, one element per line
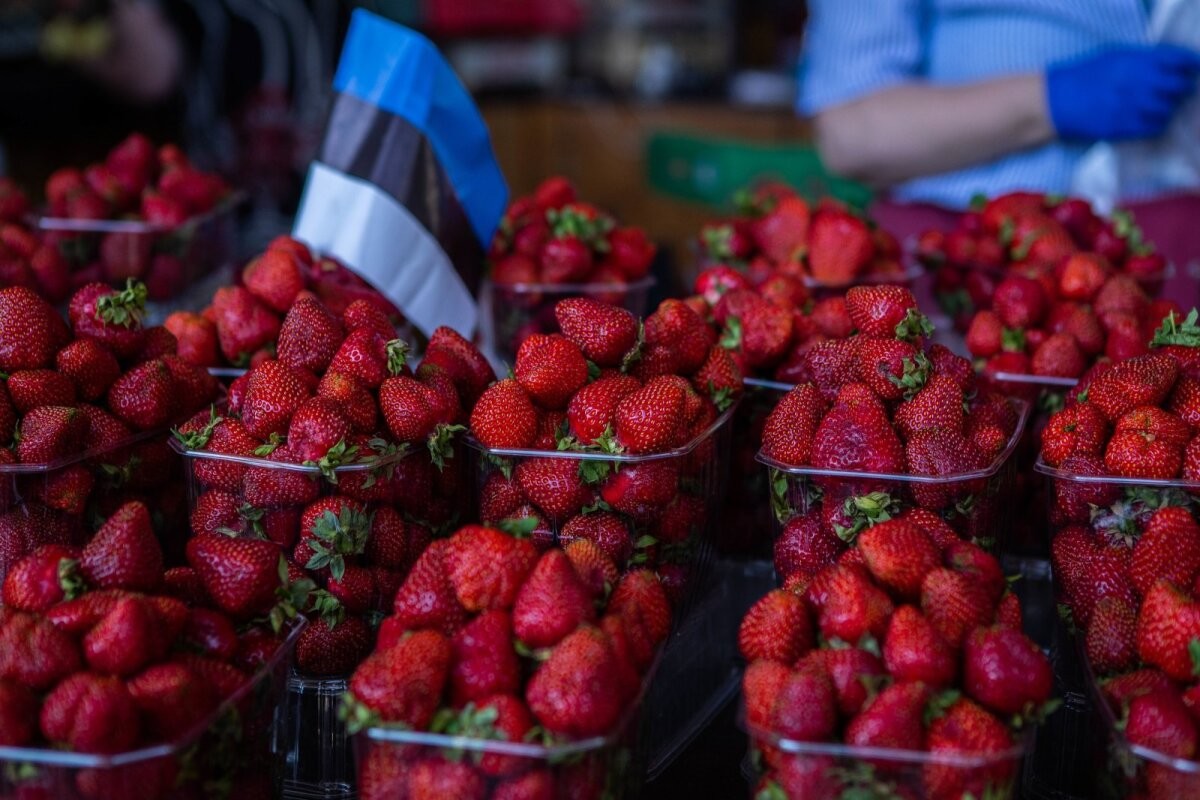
<point>1128,92</point>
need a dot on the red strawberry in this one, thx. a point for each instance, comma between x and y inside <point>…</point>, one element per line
<point>310,336</point>
<point>333,644</point>
<point>41,579</point>
<point>171,698</point>
<point>90,365</point>
<point>274,278</point>
<point>631,252</point>
<point>244,323</point>
<point>575,691</point>
<point>487,568</point>
<point>145,396</point>
<point>675,326</point>
<point>49,433</point>
<point>839,247</point>
<point>965,730</point>
<point>1078,429</point>
<point>1144,381</point>
<point>640,600</point>
<point>552,371</point>
<point>899,555</point>
<point>955,604</point>
<point>641,490</point>
<point>913,650</point>
<point>1169,548</point>
<point>893,719</point>
<point>1058,356</point>
<point>111,317</point>
<point>597,571</point>
<point>806,706</point>
<point>504,417</point>
<point>91,714</point>
<point>885,312</point>
<point>648,418</point>
<point>123,641</point>
<point>553,485</point>
<point>592,409</point>
<point>484,662</point>
<point>40,387</point>
<point>551,603</point>
<point>1111,640</point>
<point>124,553</point>
<point>1006,672</point>
<point>805,547</point>
<point>852,606</point>
<point>859,439</point>
<point>427,598</point>
<point>605,333</point>
<point>403,684</point>
<point>18,714</point>
<point>273,394</point>
<point>940,452</point>
<point>893,369</point>
<point>35,652</point>
<point>790,428</point>
<point>608,531</point>
<point>1168,622</point>
<point>477,372</point>
<point>1140,455</point>
<point>939,404</point>
<point>761,685</point>
<point>241,575</point>
<point>776,627</point>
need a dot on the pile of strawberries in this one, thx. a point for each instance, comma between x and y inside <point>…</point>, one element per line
<point>778,231</point>
<point>242,325</point>
<point>551,237</point>
<point>104,651</point>
<point>912,645</point>
<point>1059,321</point>
<point>28,259</point>
<point>607,386</point>
<point>343,463</point>
<point>879,402</point>
<point>493,640</point>
<point>135,182</point>
<point>92,388</point>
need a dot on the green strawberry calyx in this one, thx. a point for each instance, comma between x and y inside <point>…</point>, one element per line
<point>1184,334</point>
<point>69,578</point>
<point>912,379</point>
<point>335,536</point>
<point>864,511</point>
<point>441,443</point>
<point>358,716</point>
<point>124,308</point>
<point>519,527</point>
<point>198,440</point>
<point>293,596</point>
<point>324,605</point>
<point>397,356</point>
<point>913,326</point>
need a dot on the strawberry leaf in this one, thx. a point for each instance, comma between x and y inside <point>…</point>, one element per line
<point>1012,340</point>
<point>397,356</point>
<point>1185,334</point>
<point>913,326</point>
<point>519,527</point>
<point>731,338</point>
<point>125,308</point>
<point>441,444</point>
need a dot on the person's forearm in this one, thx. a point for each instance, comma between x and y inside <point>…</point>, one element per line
<point>917,129</point>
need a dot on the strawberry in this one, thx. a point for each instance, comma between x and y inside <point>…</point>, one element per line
<point>832,364</point>
<point>676,327</point>
<point>885,312</point>
<point>783,231</point>
<point>893,719</point>
<point>857,439</point>
<point>35,652</point>
<point>1144,381</point>
<point>891,368</point>
<point>49,433</point>
<point>566,260</point>
<point>839,247</point>
<point>124,553</point>
<point>939,404</point>
<point>1159,721</point>
<point>1140,455</point>
<point>403,684</point>
<point>1005,672</point>
<point>597,571</point>
<point>242,576</point>
<point>551,603</point>
<point>1020,302</point>
<point>112,318</point>
<point>91,367</point>
<point>1168,622</point>
<point>641,601</point>
<point>551,372</point>
<point>42,578</point>
<point>575,692</point>
<point>18,713</point>
<point>434,778</point>
<point>605,333</point>
<point>427,598</point>
<point>554,486</point>
<point>484,662</point>
<point>954,604</point>
<point>852,606</point>
<point>899,554</point>
<point>334,643</point>
<point>1078,429</point>
<point>274,393</point>
<point>1169,548</point>
<point>805,547</point>
<point>608,531</point>
<point>39,387</point>
<point>310,336</point>
<point>761,685</point>
<point>122,642</point>
<point>504,417</point>
<point>1111,641</point>
<point>171,698</point>
<point>244,324</point>
<point>647,419</point>
<point>641,490</point>
<point>941,452</point>
<point>90,714</point>
<point>591,410</point>
<point>1058,356</point>
<point>853,672</point>
<point>274,278</point>
<point>806,706</point>
<point>1081,276</point>
<point>776,627</point>
<point>477,373</point>
<point>967,730</point>
<point>913,650</point>
<point>145,396</point>
<point>487,568</point>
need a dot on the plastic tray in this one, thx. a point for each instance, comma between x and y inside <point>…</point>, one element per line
<point>232,747</point>
<point>978,504</point>
<point>828,771</point>
<point>318,756</point>
<point>511,313</point>
<point>202,244</point>
<point>30,503</point>
<point>745,522</point>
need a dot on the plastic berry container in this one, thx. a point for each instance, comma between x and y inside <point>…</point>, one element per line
<point>979,505</point>
<point>792,770</point>
<point>230,752</point>
<point>56,502</point>
<point>169,259</point>
<point>512,312</point>
<point>610,767</point>
<point>317,753</point>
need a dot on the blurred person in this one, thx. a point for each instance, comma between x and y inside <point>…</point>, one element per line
<point>938,101</point>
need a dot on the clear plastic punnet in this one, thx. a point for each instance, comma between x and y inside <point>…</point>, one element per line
<point>168,259</point>
<point>979,505</point>
<point>58,502</point>
<point>318,755</point>
<point>513,312</point>
<point>230,753</point>
<point>786,769</point>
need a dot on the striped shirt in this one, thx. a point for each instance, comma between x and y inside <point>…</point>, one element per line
<point>856,47</point>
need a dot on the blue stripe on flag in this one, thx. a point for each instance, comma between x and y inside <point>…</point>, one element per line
<point>399,70</point>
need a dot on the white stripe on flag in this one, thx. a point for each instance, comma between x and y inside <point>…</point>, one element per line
<point>363,226</point>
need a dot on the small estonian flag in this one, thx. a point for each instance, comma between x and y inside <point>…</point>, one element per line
<point>406,190</point>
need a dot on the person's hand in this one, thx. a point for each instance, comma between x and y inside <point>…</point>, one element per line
<point>1126,92</point>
